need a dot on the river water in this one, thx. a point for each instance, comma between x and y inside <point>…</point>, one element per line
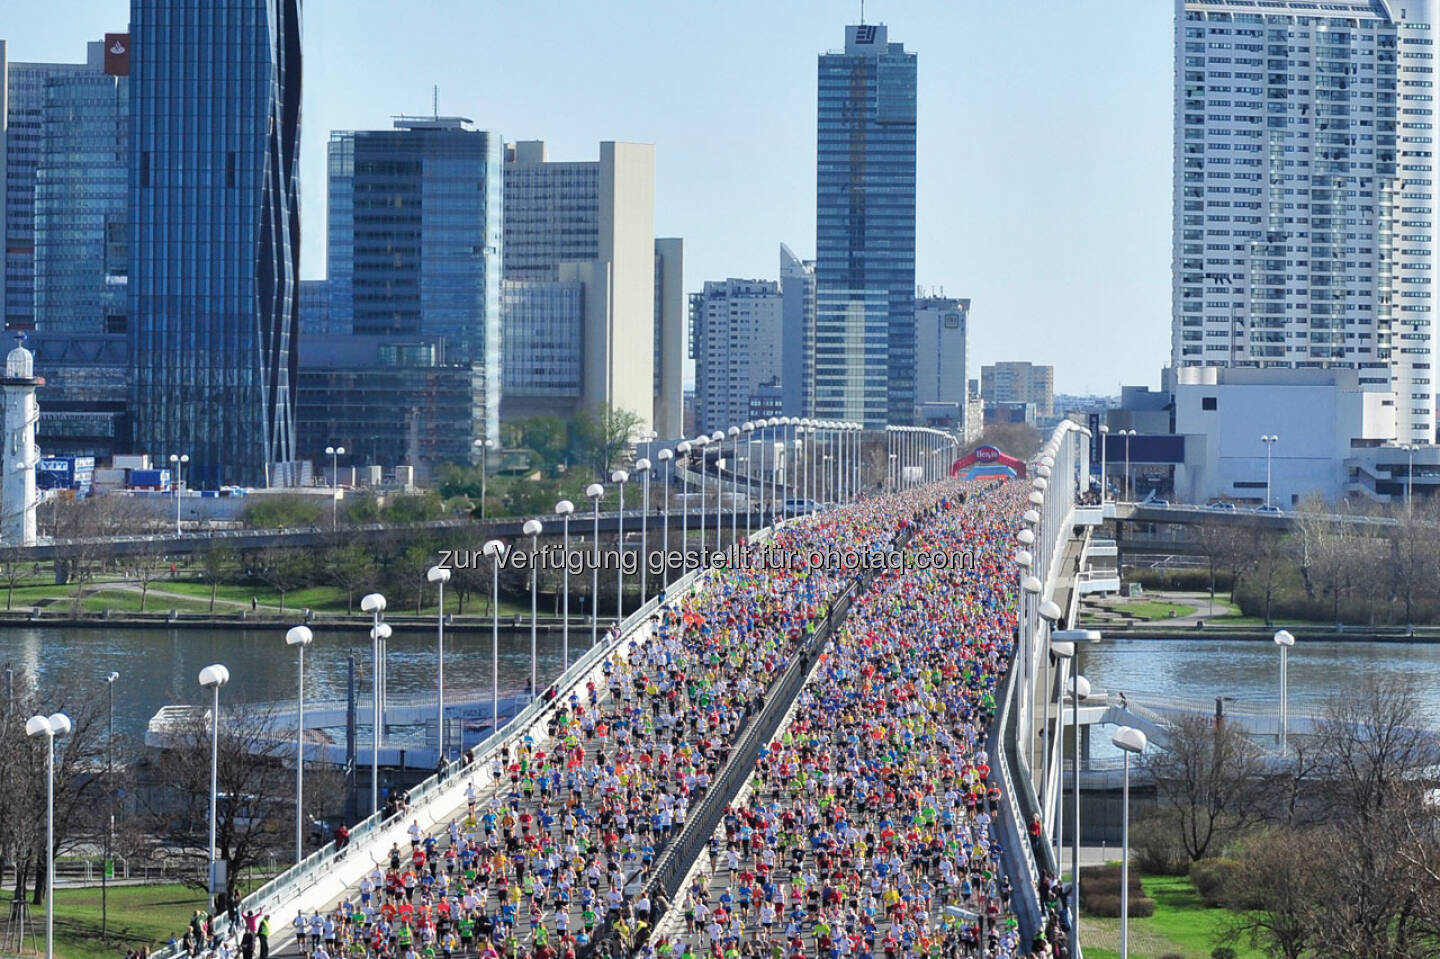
<point>158,667</point>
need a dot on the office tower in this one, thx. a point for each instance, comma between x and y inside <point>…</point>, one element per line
<point>315,311</point>
<point>214,236</point>
<point>669,340</point>
<point>941,325</point>
<point>592,223</point>
<point>736,329</point>
<point>797,350</point>
<point>1019,382</point>
<point>81,202</point>
<point>22,138</point>
<point>865,231</point>
<point>415,232</point>
<point>1304,227</point>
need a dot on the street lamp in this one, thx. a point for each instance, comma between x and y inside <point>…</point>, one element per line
<point>1269,440</point>
<point>484,445</point>
<point>734,434</point>
<point>1104,476</point>
<point>334,452</point>
<point>300,637</point>
<point>494,549</point>
<point>532,529</point>
<point>747,428</point>
<point>699,444</point>
<point>665,456</point>
<point>1127,434</point>
<point>439,575</point>
<point>1129,740</point>
<point>718,438</point>
<point>683,449</point>
<point>1079,690</point>
<point>374,604</point>
<point>1409,449</point>
<point>1284,640</point>
<point>110,795</point>
<point>595,492</point>
<point>642,466</point>
<point>58,724</point>
<point>620,477</point>
<point>179,463</point>
<point>212,678</point>
<point>563,509</point>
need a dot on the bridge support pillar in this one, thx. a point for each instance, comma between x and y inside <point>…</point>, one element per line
<point>1085,746</point>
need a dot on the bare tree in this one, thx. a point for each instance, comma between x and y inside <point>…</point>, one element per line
<point>1213,779</point>
<point>1275,897</point>
<point>1373,745</point>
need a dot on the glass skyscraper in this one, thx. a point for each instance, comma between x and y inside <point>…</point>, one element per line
<point>214,236</point>
<point>865,231</point>
<point>415,221</point>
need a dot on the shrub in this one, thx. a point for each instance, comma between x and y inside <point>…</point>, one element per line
<point>1214,878</point>
<point>1222,952</point>
<point>1156,844</point>
<point>1141,907</point>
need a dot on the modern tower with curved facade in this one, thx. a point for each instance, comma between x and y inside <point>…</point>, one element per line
<point>215,234</point>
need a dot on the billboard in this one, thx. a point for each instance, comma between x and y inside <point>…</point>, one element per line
<point>117,54</point>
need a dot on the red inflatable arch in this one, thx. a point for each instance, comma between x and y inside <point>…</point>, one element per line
<point>983,456</point>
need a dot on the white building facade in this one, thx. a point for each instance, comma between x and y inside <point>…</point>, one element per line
<point>1304,192</point>
<point>735,335</point>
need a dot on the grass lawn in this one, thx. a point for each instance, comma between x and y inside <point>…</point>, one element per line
<point>1181,924</point>
<point>1154,609</point>
<point>139,916</point>
<point>128,601</point>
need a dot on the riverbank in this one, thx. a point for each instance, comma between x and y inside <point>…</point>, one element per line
<point>247,620</point>
<point>1301,631</point>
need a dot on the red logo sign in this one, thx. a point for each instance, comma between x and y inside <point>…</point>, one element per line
<point>117,54</point>
<point>986,454</point>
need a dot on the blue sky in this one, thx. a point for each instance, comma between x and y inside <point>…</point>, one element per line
<point>1044,135</point>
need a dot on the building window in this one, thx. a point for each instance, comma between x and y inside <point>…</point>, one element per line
<point>1209,403</point>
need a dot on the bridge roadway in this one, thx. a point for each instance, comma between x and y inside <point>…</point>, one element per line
<point>476,532</point>
<point>326,881</point>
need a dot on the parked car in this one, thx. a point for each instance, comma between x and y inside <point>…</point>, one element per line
<point>1268,508</point>
<point>1222,506</point>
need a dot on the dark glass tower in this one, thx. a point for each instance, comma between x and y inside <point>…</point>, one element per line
<point>215,233</point>
<point>865,231</point>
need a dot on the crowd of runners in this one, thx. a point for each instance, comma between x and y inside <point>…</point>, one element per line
<point>550,859</point>
<point>867,829</point>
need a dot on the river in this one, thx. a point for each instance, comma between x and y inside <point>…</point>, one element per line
<point>158,667</point>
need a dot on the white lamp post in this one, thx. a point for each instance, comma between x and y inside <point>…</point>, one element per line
<point>335,452</point>
<point>484,445</point>
<point>1409,449</point>
<point>299,637</point>
<point>718,438</point>
<point>374,604</point>
<point>1269,440</point>
<point>212,678</point>
<point>532,529</point>
<point>563,509</point>
<point>747,428</point>
<point>58,724</point>
<point>1049,611</point>
<point>1129,740</point>
<point>494,549</point>
<point>620,477</point>
<point>1284,640</point>
<point>179,463</point>
<point>1104,476</point>
<point>683,449</point>
<point>734,434</point>
<point>665,456</point>
<point>440,575</point>
<point>642,466</point>
<point>699,444</point>
<point>110,797</point>
<point>1127,434</point>
<point>595,492</point>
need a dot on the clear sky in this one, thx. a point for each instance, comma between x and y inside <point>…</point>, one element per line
<point>1044,135</point>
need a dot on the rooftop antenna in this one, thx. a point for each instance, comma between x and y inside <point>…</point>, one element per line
<point>862,13</point>
<point>435,101</point>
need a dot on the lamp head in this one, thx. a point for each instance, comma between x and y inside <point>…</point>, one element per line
<point>1031,516</point>
<point>1025,537</point>
<point>1036,497</point>
<point>564,508</point>
<point>532,527</point>
<point>619,476</point>
<point>1023,558</point>
<point>298,636</point>
<point>747,426</point>
<point>1050,610</point>
<point>38,726</point>
<point>717,437</point>
<point>1284,638</point>
<point>642,465</point>
<point>383,631</point>
<point>594,491</point>
<point>1130,739</point>
<point>438,574</point>
<point>1031,584</point>
<point>214,676</point>
<point>1076,635</point>
<point>112,677</point>
<point>682,447</point>
<point>1082,687</point>
<point>493,548</point>
<point>665,456</point>
<point>733,432</point>
<point>1062,650</point>
<point>372,603</point>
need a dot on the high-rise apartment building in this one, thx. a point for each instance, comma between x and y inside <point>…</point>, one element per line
<point>1019,382</point>
<point>865,231</point>
<point>590,223</point>
<point>1304,214</point>
<point>22,141</point>
<point>941,325</point>
<point>797,373</point>
<point>214,234</point>
<point>415,232</point>
<point>736,329</point>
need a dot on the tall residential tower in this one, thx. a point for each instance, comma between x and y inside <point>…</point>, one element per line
<point>865,231</point>
<point>1304,192</point>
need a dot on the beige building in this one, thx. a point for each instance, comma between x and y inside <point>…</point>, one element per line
<point>1019,382</point>
<point>589,226</point>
